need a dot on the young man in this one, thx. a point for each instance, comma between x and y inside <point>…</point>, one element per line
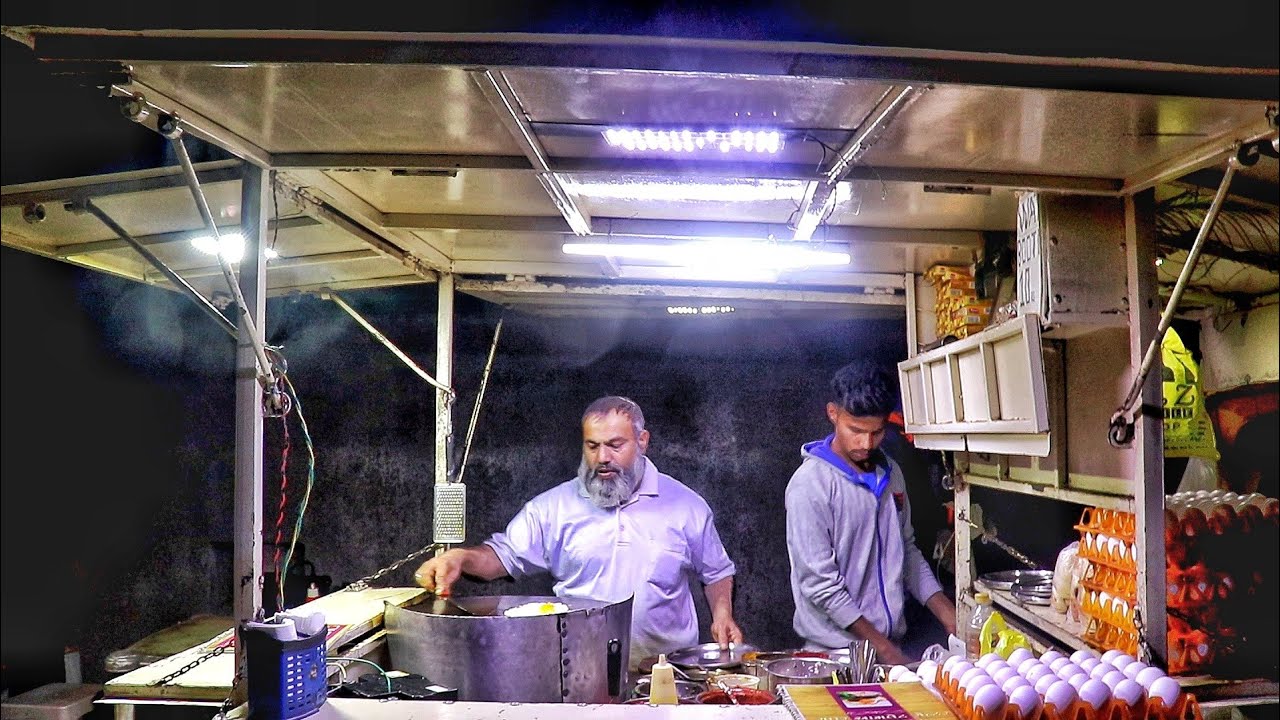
<point>620,528</point>
<point>849,537</point>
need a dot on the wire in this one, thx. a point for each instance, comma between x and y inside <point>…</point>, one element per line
<point>311,471</point>
<point>375,665</point>
<point>284,495</point>
<point>275,210</point>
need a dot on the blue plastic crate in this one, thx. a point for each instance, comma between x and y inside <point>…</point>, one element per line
<point>286,678</point>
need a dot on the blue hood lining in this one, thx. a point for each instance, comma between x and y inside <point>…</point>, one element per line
<point>875,480</point>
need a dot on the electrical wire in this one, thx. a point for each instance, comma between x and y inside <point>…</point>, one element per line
<point>284,499</point>
<point>375,665</point>
<point>311,471</point>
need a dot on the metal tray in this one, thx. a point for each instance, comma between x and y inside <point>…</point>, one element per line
<point>1030,597</point>
<point>1005,579</point>
<point>709,656</point>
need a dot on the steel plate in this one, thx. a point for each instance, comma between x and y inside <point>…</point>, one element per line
<point>709,656</point>
<point>1005,579</point>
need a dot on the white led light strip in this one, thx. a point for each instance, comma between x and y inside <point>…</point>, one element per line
<point>686,140</point>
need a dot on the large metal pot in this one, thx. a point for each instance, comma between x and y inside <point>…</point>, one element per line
<point>578,657</point>
<point>799,671</point>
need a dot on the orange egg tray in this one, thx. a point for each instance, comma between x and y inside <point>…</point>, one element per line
<point>1184,708</point>
<point>1104,578</point>
<point>1116,523</point>
<point>1094,548</point>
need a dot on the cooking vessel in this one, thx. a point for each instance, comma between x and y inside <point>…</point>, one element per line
<point>579,656</point>
<point>799,671</point>
<point>686,691</point>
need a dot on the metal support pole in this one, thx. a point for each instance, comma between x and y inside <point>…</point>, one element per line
<point>254,198</point>
<point>1148,445</point>
<point>963,558</point>
<point>913,333</point>
<point>444,374</point>
<point>165,270</point>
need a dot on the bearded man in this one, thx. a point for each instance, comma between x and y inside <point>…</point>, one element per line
<point>618,529</point>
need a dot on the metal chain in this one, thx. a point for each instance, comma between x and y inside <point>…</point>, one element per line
<point>1144,650</point>
<point>228,702</point>
<point>364,583</point>
<point>191,665</point>
<point>988,536</point>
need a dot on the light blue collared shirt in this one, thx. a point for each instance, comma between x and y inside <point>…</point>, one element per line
<point>649,547</point>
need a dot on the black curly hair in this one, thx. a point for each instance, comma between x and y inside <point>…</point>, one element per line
<point>864,389</point>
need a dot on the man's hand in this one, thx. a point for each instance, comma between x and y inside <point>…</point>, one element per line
<point>943,609</point>
<point>439,573</point>
<point>886,652</point>
<point>725,631</point>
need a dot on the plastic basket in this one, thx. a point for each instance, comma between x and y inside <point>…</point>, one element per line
<point>286,678</point>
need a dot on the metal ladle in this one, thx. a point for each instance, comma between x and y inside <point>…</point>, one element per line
<point>728,691</point>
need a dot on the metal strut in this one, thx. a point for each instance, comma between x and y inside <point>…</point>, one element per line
<point>386,342</point>
<point>1121,431</point>
<point>158,264</point>
<point>170,128</point>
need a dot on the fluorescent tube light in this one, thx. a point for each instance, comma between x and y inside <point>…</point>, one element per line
<point>725,253</point>
<point>231,245</point>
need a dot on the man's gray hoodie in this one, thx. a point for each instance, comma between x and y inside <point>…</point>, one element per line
<point>852,550</point>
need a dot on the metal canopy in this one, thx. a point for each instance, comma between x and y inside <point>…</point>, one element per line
<point>392,161</point>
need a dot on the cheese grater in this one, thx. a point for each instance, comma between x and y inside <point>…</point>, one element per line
<point>449,518</point>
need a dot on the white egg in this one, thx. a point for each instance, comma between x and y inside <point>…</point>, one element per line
<point>1070,670</point>
<point>1133,669</point>
<point>928,675</point>
<point>1110,655</point>
<point>986,660</point>
<point>1019,656</point>
<point>1050,656</point>
<point>996,666</point>
<point>1034,674</point>
<point>971,683</point>
<point>959,669</point>
<point>1026,699</point>
<point>1059,663</point>
<point>908,677</point>
<point>1003,674</point>
<point>1016,681</point>
<point>896,672</point>
<point>1078,657</point>
<point>950,662</point>
<point>1049,680</point>
<point>926,666</point>
<point>1166,689</point>
<point>990,699</point>
<point>1100,670</point>
<point>1148,676</point>
<point>1025,666</point>
<point>1122,661</point>
<point>1113,678</point>
<point>1129,692</point>
<point>1060,695</point>
<point>1078,681</point>
<point>971,673</point>
<point>1088,664</point>
<point>1095,693</point>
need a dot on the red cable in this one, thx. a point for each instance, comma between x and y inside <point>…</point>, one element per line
<point>284,496</point>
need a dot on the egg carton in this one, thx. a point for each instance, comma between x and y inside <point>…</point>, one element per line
<point>1103,635</point>
<point>1184,708</point>
<point>1113,523</point>
<point>1118,583</point>
<point>1108,550</point>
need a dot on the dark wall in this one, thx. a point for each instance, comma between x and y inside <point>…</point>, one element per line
<point>118,428</point>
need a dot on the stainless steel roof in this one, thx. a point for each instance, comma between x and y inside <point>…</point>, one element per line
<point>397,136</point>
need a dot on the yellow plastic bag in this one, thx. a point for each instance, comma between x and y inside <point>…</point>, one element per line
<point>996,637</point>
<point>1188,431</point>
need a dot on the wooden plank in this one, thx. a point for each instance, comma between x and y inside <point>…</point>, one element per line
<point>1058,626</point>
<point>349,615</point>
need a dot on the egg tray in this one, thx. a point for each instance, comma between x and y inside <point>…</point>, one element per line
<point>1122,558</point>
<point>1184,708</point>
<point>1104,578</point>
<point>1102,635</point>
<point>1115,523</point>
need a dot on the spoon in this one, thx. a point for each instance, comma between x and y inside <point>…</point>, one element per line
<point>728,691</point>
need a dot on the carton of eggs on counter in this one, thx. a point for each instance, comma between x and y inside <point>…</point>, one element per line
<point>1021,687</point>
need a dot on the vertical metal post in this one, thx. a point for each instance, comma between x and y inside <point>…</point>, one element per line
<point>963,559</point>
<point>255,189</point>
<point>444,375</point>
<point>913,334</point>
<point>1148,444</point>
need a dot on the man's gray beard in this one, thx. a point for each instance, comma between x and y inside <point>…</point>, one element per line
<point>607,494</point>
